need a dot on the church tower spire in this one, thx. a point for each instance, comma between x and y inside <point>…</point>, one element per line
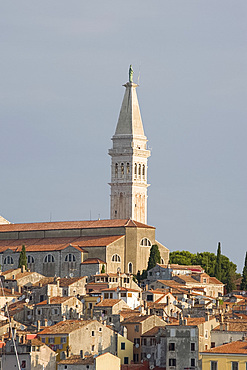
<point>129,160</point>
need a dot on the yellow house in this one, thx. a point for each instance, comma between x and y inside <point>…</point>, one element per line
<point>230,356</point>
<point>124,349</point>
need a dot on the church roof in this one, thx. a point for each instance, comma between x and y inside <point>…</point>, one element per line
<point>129,121</point>
<point>57,244</point>
<point>66,225</point>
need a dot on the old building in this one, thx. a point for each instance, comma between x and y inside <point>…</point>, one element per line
<point>61,248</point>
<point>32,354</point>
<point>70,337</point>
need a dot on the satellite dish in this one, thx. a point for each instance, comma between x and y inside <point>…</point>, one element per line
<point>13,300</point>
<point>140,309</point>
<point>23,296</point>
<point>98,299</point>
<point>49,323</point>
<point>183,299</point>
<point>151,367</point>
<point>174,302</point>
<point>94,318</point>
<point>29,317</point>
<point>118,269</point>
<point>105,317</point>
<point>82,300</point>
<point>22,327</point>
<point>26,300</point>
<point>117,289</point>
<point>71,275</point>
<point>137,345</point>
<point>148,356</point>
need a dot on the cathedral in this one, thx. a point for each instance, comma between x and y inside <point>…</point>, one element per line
<point>79,248</point>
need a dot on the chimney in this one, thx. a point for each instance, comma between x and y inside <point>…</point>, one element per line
<point>38,325</point>
<point>48,299</point>
<point>58,282</point>
<point>46,322</point>
<point>207,318</point>
<point>170,290</point>
<point>81,353</point>
<point>227,326</point>
<point>221,326</point>
<point>23,268</point>
<point>12,290</point>
<point>185,321</point>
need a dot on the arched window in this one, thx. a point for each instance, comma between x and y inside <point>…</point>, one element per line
<point>8,260</point>
<point>70,258</point>
<point>116,169</point>
<point>143,171</point>
<point>145,242</point>
<point>49,258</point>
<point>135,169</point>
<point>140,170</point>
<point>122,169</point>
<point>30,259</point>
<point>116,258</point>
<point>128,168</point>
<point>130,267</point>
<point>162,261</point>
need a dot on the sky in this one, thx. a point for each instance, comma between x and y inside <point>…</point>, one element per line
<point>63,64</point>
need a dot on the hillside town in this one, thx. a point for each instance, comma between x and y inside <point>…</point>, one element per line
<point>70,297</point>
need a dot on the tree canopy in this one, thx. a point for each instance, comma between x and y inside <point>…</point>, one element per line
<point>154,256</point>
<point>207,261</point>
<point>23,257</point>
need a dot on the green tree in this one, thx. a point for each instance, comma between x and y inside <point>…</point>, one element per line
<point>217,272</point>
<point>243,285</point>
<point>23,257</point>
<point>103,269</point>
<point>154,257</point>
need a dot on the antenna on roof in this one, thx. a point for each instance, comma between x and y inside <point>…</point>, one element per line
<point>99,217</point>
<point>50,216</point>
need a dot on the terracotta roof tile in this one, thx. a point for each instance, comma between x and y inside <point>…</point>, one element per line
<point>89,261</point>
<point>55,300</point>
<point>108,302</point>
<point>230,348</point>
<point>65,327</point>
<point>77,359</point>
<point>65,225</point>
<point>50,244</point>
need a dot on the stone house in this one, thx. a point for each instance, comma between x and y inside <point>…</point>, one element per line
<point>32,354</point>
<point>166,272</point>
<point>132,297</point>
<point>70,337</point>
<point>177,347</point>
<point>138,325</point>
<point>56,309</point>
<point>228,331</point>
<point>108,311</point>
<point>56,287</point>
<point>16,279</point>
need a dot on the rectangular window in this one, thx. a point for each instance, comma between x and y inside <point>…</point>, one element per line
<point>111,295</point>
<point>136,341</point>
<point>92,333</point>
<point>106,295</point>
<point>150,297</point>
<point>144,341</point>
<point>123,295</point>
<point>122,345</point>
<point>172,362</point>
<point>126,360</point>
<point>92,348</point>
<point>173,332</point>
<point>136,357</point>
<point>206,334</point>
<point>192,347</point>
<point>234,365</point>
<point>212,344</point>
<point>51,340</point>
<point>171,346</point>
<point>193,362</point>
<point>43,340</point>
<point>63,340</point>
<point>137,328</point>
<point>214,365</point>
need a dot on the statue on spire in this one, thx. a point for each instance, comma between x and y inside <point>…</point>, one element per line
<point>131,74</point>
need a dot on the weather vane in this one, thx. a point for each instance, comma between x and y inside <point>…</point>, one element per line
<point>131,74</point>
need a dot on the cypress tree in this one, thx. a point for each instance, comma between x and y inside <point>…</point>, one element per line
<point>23,257</point>
<point>217,272</point>
<point>154,257</point>
<point>103,269</point>
<point>243,285</point>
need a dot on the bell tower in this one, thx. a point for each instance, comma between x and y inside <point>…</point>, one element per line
<point>129,160</point>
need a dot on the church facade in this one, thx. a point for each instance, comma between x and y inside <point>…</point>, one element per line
<point>122,243</point>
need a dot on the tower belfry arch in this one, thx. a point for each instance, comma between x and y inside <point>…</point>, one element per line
<point>129,156</point>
